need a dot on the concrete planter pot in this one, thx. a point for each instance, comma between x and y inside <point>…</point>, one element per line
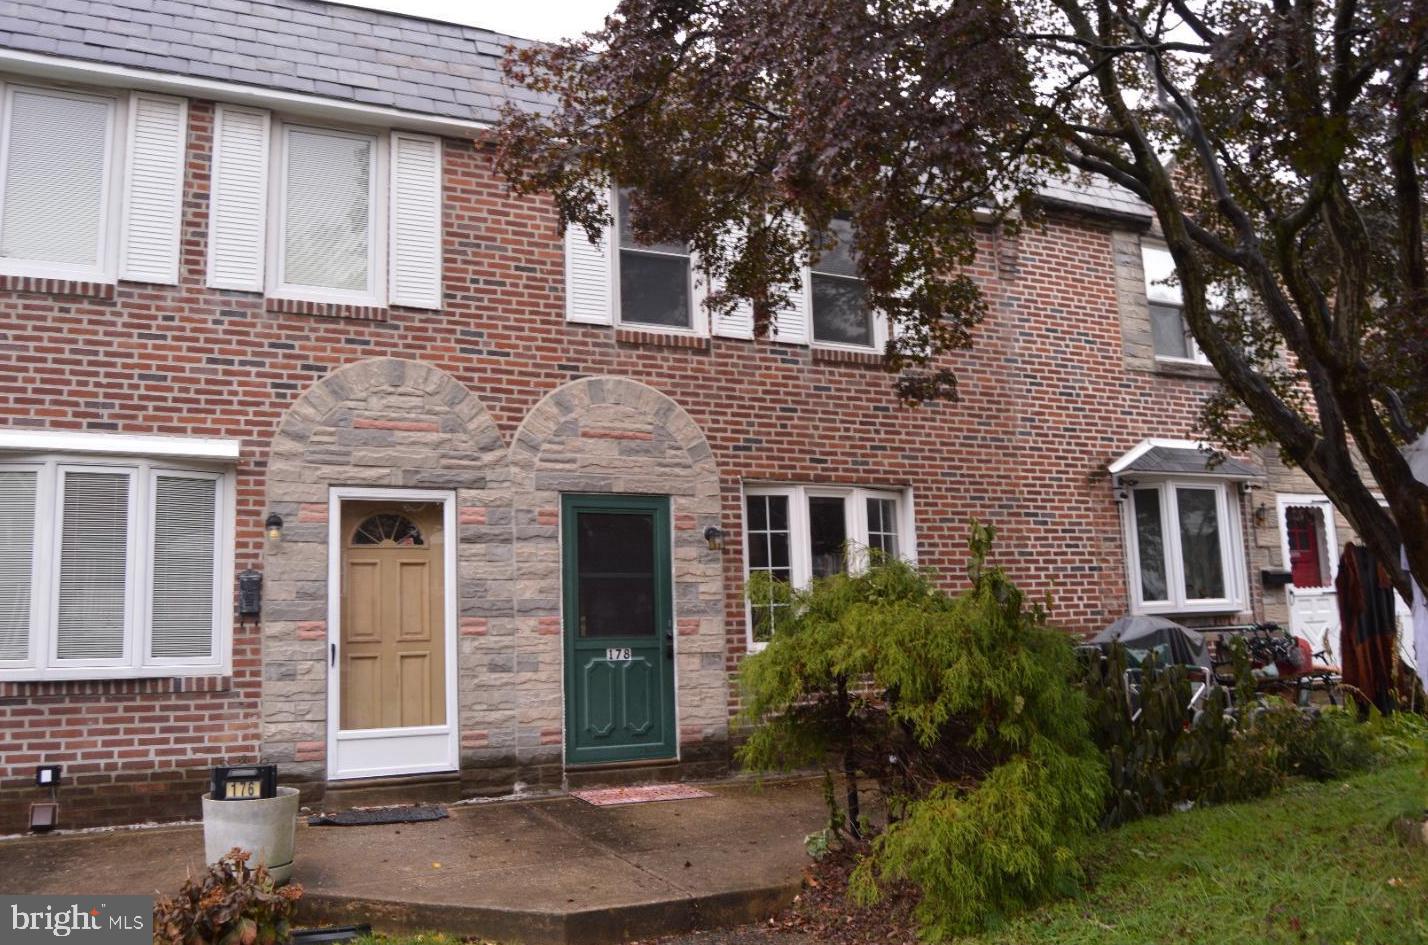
<point>264,827</point>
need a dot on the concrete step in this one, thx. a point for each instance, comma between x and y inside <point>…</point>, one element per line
<point>382,792</point>
<point>638,772</point>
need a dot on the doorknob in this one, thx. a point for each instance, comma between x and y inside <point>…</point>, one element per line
<point>669,644</point>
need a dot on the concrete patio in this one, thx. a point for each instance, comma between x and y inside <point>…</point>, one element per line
<point>554,871</point>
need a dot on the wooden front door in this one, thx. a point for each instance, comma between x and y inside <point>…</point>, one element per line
<point>619,629</point>
<point>393,646</point>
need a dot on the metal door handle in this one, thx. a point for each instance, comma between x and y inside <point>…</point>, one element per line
<point>333,657</point>
<point>669,644</point>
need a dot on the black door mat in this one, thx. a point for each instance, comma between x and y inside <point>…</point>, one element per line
<point>383,815</point>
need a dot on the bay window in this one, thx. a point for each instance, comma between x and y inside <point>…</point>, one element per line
<point>1186,554</point>
<point>112,568</point>
<point>796,534</point>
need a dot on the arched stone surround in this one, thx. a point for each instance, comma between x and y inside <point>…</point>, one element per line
<point>390,422</point>
<point>379,422</point>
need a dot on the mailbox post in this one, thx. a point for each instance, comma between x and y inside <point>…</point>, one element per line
<point>246,808</point>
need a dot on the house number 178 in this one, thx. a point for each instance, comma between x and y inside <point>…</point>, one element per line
<point>615,653</point>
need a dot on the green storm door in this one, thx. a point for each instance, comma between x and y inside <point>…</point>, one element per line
<point>619,629</point>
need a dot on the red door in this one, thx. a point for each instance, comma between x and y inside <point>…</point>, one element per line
<point>1302,528</point>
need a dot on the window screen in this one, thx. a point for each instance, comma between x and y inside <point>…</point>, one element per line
<point>57,157</point>
<point>654,278</point>
<point>185,527</point>
<point>17,550</point>
<point>327,219</point>
<point>94,566</point>
<point>840,304</point>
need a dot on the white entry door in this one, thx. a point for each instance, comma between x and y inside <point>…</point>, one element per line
<point>1310,548</point>
<point>392,634</point>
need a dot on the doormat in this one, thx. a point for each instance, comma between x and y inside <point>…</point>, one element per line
<point>378,815</point>
<point>610,797</point>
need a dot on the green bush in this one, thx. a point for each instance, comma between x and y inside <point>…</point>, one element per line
<point>962,709</point>
<point>1172,755</point>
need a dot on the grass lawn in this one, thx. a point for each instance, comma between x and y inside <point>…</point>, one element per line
<point>1315,864</point>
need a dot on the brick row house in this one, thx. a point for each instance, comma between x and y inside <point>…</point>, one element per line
<point>266,311</point>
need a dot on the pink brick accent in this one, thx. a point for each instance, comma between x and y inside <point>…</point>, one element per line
<point>548,517</point>
<point>312,630</point>
<point>474,626</point>
<point>310,751</point>
<point>313,512</point>
<point>688,626</point>
<point>551,736</point>
<point>472,515</point>
<point>410,426</point>
<point>616,435</point>
<point>690,734</point>
<point>685,523</point>
<point>548,626</point>
<point>475,739</point>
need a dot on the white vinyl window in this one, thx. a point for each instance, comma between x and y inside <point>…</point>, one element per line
<point>799,533</point>
<point>58,199</point>
<point>839,295</point>
<point>1170,334</point>
<point>656,280</point>
<point>1185,551</point>
<point>112,569</point>
<point>328,232</point>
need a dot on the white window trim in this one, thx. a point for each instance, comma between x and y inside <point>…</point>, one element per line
<point>1157,293</point>
<point>44,594</point>
<point>1232,550</point>
<point>1289,500</point>
<point>378,195</point>
<point>881,329</point>
<point>698,291</point>
<point>106,268</point>
<point>800,551</point>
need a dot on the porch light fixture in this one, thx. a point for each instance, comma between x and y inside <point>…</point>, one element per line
<point>1261,515</point>
<point>714,537</point>
<point>274,527</point>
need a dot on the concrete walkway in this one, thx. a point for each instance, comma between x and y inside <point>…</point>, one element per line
<point>544,872</point>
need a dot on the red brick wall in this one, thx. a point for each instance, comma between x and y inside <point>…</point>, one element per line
<point>1046,403</point>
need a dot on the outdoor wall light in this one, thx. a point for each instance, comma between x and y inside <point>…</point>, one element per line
<point>274,527</point>
<point>714,536</point>
<point>1261,515</point>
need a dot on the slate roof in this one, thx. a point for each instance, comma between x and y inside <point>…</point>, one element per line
<point>303,46</point>
<point>1082,191</point>
<point>1172,460</point>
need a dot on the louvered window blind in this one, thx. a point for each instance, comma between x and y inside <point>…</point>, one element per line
<point>327,210</point>
<point>57,147</point>
<point>17,552</point>
<point>93,566</point>
<point>111,570</point>
<point>184,549</point>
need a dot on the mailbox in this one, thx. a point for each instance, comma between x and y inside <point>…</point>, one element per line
<point>246,783</point>
<point>250,593</point>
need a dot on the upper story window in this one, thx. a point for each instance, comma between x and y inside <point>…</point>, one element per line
<point>1185,549</point>
<point>656,279</point>
<point>57,182</point>
<point>112,568</point>
<point>345,216</point>
<point>796,534</point>
<point>841,315</point>
<point>1170,334</point>
<point>326,240</point>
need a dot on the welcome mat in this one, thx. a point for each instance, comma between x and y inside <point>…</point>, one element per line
<point>644,794</point>
<point>378,815</point>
